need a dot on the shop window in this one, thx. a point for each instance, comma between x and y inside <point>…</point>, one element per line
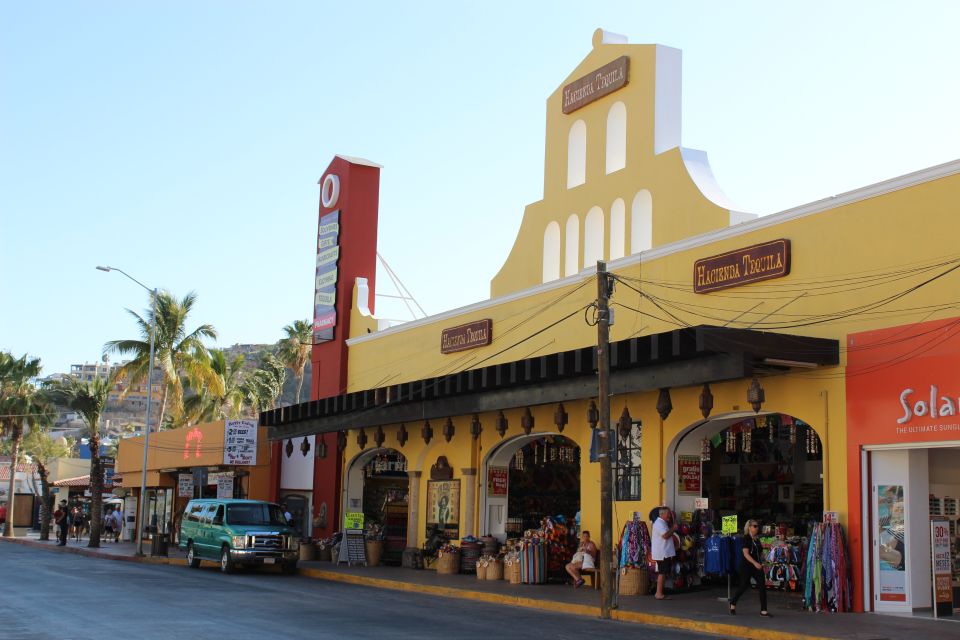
<point>641,222</point>
<point>551,252</point>
<point>618,229</point>
<point>577,154</point>
<point>593,237</point>
<point>570,264</point>
<point>628,464</point>
<point>616,137</point>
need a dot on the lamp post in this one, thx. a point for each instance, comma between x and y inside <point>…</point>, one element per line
<point>141,510</point>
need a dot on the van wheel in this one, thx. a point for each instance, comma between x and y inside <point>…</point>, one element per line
<point>289,568</point>
<point>192,560</point>
<point>226,562</point>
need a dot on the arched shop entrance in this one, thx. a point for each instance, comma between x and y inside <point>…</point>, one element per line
<point>529,478</point>
<point>377,485</point>
<point>767,467</point>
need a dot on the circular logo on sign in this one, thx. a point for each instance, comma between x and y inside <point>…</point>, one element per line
<point>330,191</point>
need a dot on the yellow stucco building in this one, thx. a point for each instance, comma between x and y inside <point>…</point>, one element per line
<point>706,299</point>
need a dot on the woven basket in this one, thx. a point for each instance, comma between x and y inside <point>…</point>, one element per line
<point>630,581</point>
<point>481,572</point>
<point>512,572</point>
<point>449,563</point>
<point>495,570</point>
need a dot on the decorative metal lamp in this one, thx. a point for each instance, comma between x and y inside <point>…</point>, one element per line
<point>362,439</point>
<point>475,427</point>
<point>448,430</point>
<point>321,447</point>
<point>526,421</point>
<point>289,448</point>
<point>402,434</point>
<point>305,446</point>
<point>560,418</point>
<point>341,440</point>
<point>593,415</point>
<point>426,431</point>
<point>664,404</point>
<point>379,436</point>
<point>624,424</point>
<point>755,395</point>
<point>706,401</point>
<point>501,424</point>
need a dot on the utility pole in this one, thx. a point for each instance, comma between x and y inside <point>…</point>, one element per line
<point>604,283</point>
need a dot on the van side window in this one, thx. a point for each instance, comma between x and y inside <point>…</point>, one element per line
<point>218,516</point>
<point>206,513</point>
<point>194,515</point>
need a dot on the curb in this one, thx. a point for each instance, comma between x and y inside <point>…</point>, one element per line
<point>652,619</point>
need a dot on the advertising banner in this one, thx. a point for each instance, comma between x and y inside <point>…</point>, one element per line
<point>942,567</point>
<point>225,486</point>
<point>688,475</point>
<point>443,503</point>
<point>240,442</point>
<point>728,525</point>
<point>325,290</point>
<point>497,479</point>
<point>353,520</point>
<point>891,538</point>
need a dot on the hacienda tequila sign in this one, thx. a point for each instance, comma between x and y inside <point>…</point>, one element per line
<point>742,266</point>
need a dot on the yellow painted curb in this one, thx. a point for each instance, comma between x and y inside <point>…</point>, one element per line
<point>671,622</point>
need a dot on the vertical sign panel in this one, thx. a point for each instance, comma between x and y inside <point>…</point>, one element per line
<point>325,287</point>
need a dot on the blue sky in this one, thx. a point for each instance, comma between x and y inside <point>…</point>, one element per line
<point>182,141</point>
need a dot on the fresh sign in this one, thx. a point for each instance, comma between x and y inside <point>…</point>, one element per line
<point>240,442</point>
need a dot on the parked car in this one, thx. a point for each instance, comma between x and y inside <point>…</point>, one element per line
<point>238,532</point>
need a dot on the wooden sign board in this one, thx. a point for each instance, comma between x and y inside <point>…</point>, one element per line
<point>466,336</point>
<point>742,266</point>
<point>596,84</point>
<point>353,548</point>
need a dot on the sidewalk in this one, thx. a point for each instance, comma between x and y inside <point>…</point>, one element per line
<point>700,611</point>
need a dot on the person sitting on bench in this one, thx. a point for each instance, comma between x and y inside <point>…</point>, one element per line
<point>584,558</point>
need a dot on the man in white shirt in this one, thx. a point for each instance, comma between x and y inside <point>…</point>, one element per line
<point>117,524</point>
<point>662,548</point>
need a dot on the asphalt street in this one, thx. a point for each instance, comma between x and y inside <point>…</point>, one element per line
<point>71,597</point>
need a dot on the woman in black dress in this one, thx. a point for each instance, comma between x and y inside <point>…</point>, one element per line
<point>751,566</point>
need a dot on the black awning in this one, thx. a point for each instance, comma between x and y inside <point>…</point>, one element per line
<point>679,358</point>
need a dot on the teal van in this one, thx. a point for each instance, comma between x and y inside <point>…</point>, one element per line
<point>238,532</point>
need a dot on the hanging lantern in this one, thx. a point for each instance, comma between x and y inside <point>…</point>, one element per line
<point>341,440</point>
<point>518,460</point>
<point>321,447</point>
<point>705,450</point>
<point>731,441</point>
<point>426,431</point>
<point>362,439</point>
<point>289,448</point>
<point>475,427</point>
<point>526,421</point>
<point>402,434</point>
<point>664,404</point>
<point>793,434</point>
<point>448,430</point>
<point>305,446</point>
<point>771,429</point>
<point>378,436</point>
<point>755,395</point>
<point>706,401</point>
<point>747,435</point>
<point>593,415</point>
<point>501,424</point>
<point>624,424</point>
<point>560,418</point>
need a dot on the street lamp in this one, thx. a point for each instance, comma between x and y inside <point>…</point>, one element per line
<point>146,437</point>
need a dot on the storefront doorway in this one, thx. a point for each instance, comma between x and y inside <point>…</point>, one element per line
<point>908,486</point>
<point>377,485</point>
<point>527,479</point>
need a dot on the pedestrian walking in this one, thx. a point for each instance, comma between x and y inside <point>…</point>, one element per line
<point>62,517</point>
<point>662,548</point>
<point>107,523</point>
<point>3,515</point>
<point>117,524</point>
<point>751,566</point>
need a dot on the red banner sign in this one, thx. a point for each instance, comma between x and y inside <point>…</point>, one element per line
<point>497,478</point>
<point>688,474</point>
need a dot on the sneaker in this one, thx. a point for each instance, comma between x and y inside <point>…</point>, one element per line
<point>579,583</point>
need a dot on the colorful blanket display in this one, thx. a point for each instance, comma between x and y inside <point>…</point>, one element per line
<point>827,585</point>
<point>558,546</point>
<point>635,543</point>
<point>533,561</point>
<point>781,563</point>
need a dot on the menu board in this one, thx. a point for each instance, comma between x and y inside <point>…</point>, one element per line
<point>185,485</point>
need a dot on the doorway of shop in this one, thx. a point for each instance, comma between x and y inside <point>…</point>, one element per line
<point>737,467</point>
<point>528,478</point>
<point>378,486</point>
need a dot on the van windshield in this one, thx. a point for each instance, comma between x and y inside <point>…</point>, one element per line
<point>255,514</point>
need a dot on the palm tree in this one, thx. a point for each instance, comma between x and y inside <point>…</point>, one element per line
<point>20,404</point>
<point>88,398</point>
<point>42,450</point>
<point>296,348</point>
<point>177,352</point>
<point>262,387</point>
<point>205,405</point>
